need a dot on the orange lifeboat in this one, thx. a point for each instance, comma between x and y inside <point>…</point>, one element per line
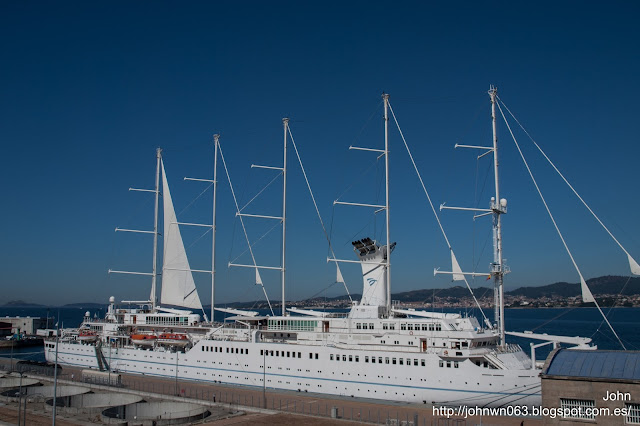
<point>87,336</point>
<point>173,339</point>
<point>143,339</point>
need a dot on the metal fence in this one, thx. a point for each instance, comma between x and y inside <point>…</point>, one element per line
<point>249,399</point>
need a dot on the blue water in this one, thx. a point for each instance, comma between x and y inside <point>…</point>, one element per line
<point>585,322</point>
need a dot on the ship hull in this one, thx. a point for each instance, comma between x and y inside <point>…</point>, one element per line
<point>320,369</point>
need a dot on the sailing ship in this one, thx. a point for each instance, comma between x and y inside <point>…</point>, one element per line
<point>375,350</point>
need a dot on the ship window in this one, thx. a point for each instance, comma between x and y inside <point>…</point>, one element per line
<point>236,350</point>
<point>409,326</point>
<point>441,363</point>
<point>455,364</point>
<point>373,359</point>
<point>448,364</point>
<point>366,359</point>
<point>288,354</point>
<point>299,354</point>
<point>380,360</point>
<point>431,327</point>
<point>438,327</point>
<point>425,327</point>
<point>403,326</point>
<point>386,360</point>
<point>350,358</point>
<point>358,326</point>
<point>330,357</point>
<point>203,349</point>
<point>271,353</point>
<point>392,327</point>
<point>310,355</point>
<point>465,344</point>
<point>344,357</point>
<point>422,362</point>
<point>401,360</point>
<point>417,326</point>
<point>261,351</point>
<point>357,358</point>
<point>246,351</point>
<point>385,326</point>
<point>393,361</point>
<point>227,350</point>
<point>370,326</point>
<point>415,362</point>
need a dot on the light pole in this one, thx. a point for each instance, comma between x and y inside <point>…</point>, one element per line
<point>264,378</point>
<point>55,373</point>
<point>177,394</point>
<point>20,398</point>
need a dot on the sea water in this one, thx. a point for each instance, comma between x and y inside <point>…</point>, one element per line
<point>584,322</point>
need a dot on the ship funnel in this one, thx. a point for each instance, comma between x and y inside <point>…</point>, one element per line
<point>374,278</point>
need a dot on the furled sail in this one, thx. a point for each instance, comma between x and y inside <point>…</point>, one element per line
<point>586,293</point>
<point>178,287</point>
<point>455,267</point>
<point>635,268</point>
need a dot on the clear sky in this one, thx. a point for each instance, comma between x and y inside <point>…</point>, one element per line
<point>88,90</point>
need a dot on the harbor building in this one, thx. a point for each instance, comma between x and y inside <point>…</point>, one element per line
<point>594,387</point>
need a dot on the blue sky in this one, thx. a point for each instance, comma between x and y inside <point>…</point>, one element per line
<point>89,90</point>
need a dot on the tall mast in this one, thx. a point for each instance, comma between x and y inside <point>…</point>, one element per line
<point>498,208</point>
<point>285,123</point>
<point>385,96</point>
<point>216,142</point>
<point>154,275</point>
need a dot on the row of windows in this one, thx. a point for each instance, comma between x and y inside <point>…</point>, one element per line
<point>241,351</point>
<point>387,360</point>
<point>294,325</point>
<point>455,364</point>
<point>288,354</point>
<point>363,326</point>
<point>167,320</point>
<point>425,327</point>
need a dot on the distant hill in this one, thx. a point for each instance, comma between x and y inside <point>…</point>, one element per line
<point>21,304</point>
<point>87,305</point>
<point>609,284</point>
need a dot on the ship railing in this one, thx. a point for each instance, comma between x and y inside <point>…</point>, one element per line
<point>508,348</point>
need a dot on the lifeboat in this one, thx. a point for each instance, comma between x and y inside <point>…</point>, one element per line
<point>87,336</point>
<point>143,339</point>
<point>173,339</point>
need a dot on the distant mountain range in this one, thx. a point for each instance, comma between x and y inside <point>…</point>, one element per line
<point>610,284</point>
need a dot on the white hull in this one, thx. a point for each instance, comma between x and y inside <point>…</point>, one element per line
<point>429,383</point>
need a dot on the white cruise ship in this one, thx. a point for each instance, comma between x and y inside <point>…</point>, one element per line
<point>376,350</point>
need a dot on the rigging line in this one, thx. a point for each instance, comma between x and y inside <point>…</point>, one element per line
<point>235,200</point>
<point>614,303</point>
<point>195,199</point>
<point>261,191</point>
<point>570,186</point>
<point>358,179</point>
<point>366,124</point>
<point>257,241</point>
<point>313,198</point>
<point>555,224</point>
<point>553,319</point>
<point>424,188</point>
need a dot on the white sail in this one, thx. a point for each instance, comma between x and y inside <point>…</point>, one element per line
<point>586,293</point>
<point>635,268</point>
<point>178,287</point>
<point>455,267</point>
<point>339,277</point>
